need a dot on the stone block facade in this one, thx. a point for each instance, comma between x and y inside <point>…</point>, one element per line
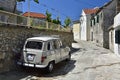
<point>102,21</point>
<point>7,5</point>
<point>12,40</point>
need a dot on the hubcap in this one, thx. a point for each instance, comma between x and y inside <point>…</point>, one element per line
<point>50,67</point>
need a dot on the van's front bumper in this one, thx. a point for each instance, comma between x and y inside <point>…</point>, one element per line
<point>31,65</point>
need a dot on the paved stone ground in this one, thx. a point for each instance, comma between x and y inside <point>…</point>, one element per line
<point>93,63</point>
<point>89,62</point>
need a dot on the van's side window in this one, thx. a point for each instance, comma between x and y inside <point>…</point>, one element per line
<point>56,44</point>
<point>59,43</point>
<point>48,46</point>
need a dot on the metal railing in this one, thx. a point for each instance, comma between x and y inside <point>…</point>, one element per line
<point>19,20</point>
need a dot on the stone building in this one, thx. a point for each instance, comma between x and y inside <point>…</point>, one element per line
<point>7,5</point>
<point>76,29</point>
<point>102,21</point>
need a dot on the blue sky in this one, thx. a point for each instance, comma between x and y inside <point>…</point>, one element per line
<point>63,8</point>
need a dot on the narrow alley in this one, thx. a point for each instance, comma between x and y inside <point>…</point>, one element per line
<point>93,63</point>
<point>89,62</point>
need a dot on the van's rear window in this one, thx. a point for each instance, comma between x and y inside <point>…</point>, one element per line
<point>34,45</point>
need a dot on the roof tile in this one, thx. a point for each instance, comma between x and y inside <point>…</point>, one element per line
<point>34,15</point>
<point>90,11</point>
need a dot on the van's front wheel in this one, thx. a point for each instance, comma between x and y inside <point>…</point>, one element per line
<point>69,57</point>
<point>50,67</point>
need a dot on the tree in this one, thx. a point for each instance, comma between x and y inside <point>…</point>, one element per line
<point>56,21</point>
<point>37,1</point>
<point>67,22</point>
<point>48,16</point>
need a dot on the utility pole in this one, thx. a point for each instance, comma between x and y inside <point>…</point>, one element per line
<point>28,22</point>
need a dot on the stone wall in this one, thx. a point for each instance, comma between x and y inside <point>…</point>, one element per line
<point>108,17</point>
<point>97,29</point>
<point>105,20</point>
<point>12,40</point>
<point>7,5</point>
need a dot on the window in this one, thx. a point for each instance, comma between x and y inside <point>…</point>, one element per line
<point>101,15</point>
<point>97,18</point>
<point>34,45</point>
<point>94,21</point>
<point>48,46</point>
<point>59,43</point>
<point>91,23</point>
<point>56,44</point>
<point>117,37</point>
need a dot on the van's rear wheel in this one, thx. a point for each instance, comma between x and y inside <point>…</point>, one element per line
<point>50,67</point>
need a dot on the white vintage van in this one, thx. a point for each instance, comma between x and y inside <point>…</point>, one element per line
<point>43,52</point>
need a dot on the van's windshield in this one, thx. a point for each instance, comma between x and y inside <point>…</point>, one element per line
<point>34,45</point>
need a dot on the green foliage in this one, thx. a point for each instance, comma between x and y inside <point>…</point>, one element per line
<point>67,22</point>
<point>36,1</point>
<point>56,21</point>
<point>48,16</point>
<point>49,19</point>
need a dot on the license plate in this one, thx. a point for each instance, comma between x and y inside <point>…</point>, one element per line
<point>30,57</point>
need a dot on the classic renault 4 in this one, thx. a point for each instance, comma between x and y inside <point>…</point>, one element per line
<point>43,52</point>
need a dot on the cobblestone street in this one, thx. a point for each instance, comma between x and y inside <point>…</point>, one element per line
<point>89,62</point>
<point>93,63</point>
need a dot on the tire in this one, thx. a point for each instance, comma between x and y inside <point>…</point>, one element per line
<point>69,58</point>
<point>50,67</point>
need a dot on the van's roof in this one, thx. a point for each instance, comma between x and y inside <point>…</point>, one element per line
<point>42,38</point>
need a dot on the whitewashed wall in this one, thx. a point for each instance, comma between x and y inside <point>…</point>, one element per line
<point>117,20</point>
<point>116,27</point>
<point>83,26</point>
<point>76,31</point>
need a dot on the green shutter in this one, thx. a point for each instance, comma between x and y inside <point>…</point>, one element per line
<point>97,18</point>
<point>94,21</point>
<point>91,22</point>
<point>117,37</point>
